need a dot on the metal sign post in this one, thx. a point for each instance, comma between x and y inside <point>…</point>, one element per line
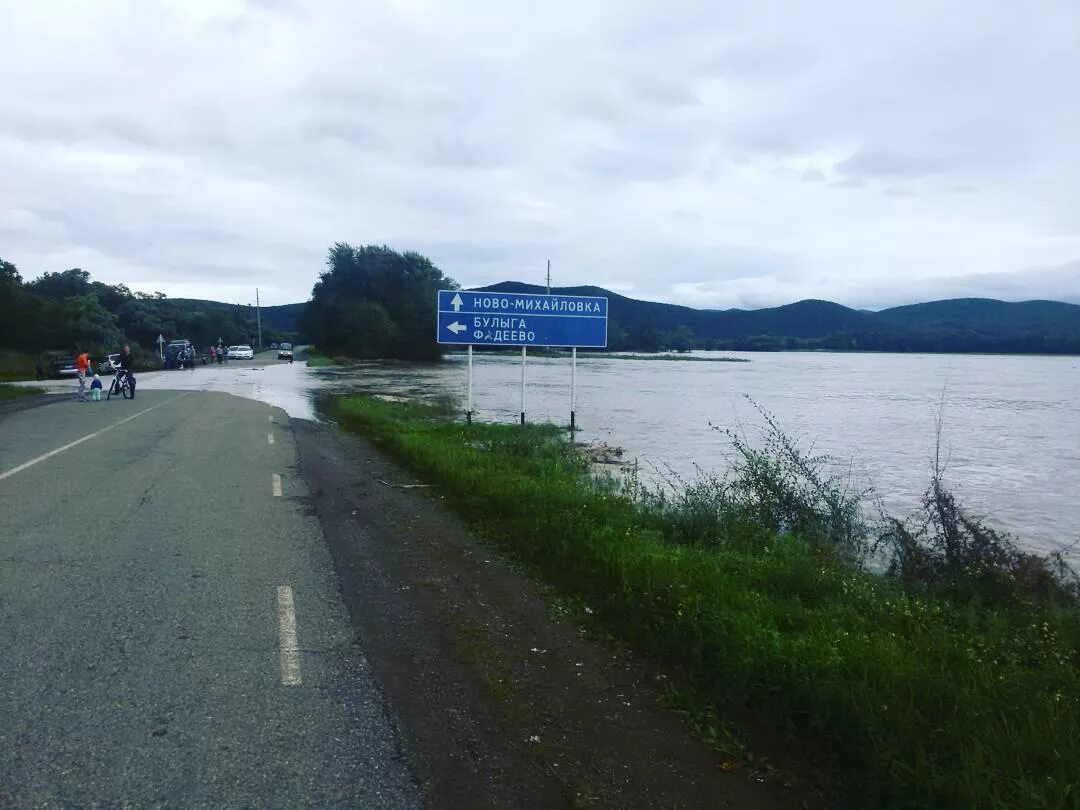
<point>523,385</point>
<point>573,387</point>
<point>477,318</point>
<point>468,412</point>
<point>161,347</point>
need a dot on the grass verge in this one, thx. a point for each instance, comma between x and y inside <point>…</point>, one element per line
<point>920,700</point>
<point>8,392</point>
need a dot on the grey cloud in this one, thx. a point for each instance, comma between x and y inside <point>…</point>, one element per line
<point>455,151</point>
<point>848,182</point>
<point>757,62</point>
<point>627,165</point>
<point>632,143</point>
<point>658,92</point>
<point>875,164</point>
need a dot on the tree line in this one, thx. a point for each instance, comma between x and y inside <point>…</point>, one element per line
<point>68,312</point>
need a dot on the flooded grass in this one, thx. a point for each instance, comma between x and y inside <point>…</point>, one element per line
<point>918,700</point>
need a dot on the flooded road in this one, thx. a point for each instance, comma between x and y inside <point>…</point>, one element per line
<point>289,386</point>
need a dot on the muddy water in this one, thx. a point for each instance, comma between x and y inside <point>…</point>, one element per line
<point>1011,431</point>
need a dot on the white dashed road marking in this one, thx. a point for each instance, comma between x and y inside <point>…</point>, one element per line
<point>269,438</point>
<point>275,485</point>
<point>290,648</point>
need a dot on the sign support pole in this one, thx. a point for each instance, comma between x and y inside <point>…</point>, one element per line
<point>573,388</point>
<point>523,385</point>
<point>468,413</point>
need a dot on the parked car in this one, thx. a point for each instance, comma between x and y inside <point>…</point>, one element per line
<point>273,346</point>
<point>60,367</point>
<point>241,352</point>
<point>180,354</point>
<point>285,351</point>
<point>110,364</point>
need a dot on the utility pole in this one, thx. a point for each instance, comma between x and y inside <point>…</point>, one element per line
<point>258,317</point>
<point>549,277</point>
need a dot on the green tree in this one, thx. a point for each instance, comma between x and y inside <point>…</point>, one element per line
<point>62,285</point>
<point>9,275</point>
<point>375,302</point>
<point>89,325</point>
<point>681,340</point>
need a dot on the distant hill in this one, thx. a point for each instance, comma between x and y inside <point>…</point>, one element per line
<point>987,315</point>
<point>283,318</point>
<point>960,325</point>
<point>957,325</point>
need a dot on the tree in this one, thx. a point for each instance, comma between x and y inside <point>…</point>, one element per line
<point>62,285</point>
<point>375,302</point>
<point>89,324</point>
<point>9,275</point>
<point>681,340</point>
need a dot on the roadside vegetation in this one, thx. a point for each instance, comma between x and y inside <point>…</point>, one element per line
<point>8,392</point>
<point>373,302</point>
<point>951,679</point>
<point>67,312</point>
<point>315,360</point>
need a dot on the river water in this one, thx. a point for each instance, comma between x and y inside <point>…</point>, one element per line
<point>1011,429</point>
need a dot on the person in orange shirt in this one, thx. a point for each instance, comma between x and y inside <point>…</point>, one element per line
<point>82,365</point>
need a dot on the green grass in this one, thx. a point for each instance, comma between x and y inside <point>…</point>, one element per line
<point>316,360</point>
<point>16,366</point>
<point>920,701</point>
<point>15,391</point>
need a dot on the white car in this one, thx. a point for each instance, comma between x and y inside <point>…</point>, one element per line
<point>243,352</point>
<point>110,364</point>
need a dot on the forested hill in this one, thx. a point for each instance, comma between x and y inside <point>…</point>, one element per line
<point>960,325</point>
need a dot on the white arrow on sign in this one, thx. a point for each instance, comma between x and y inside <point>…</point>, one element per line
<point>457,328</point>
<point>456,302</point>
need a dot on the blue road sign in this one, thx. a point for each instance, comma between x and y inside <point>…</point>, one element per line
<point>521,319</point>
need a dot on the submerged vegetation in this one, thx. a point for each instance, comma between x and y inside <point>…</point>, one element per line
<point>950,680</point>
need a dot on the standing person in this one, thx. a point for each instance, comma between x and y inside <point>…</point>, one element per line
<point>82,365</point>
<point>124,361</point>
<point>213,354</point>
<point>95,389</point>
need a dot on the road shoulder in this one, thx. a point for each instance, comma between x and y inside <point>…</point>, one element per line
<point>501,703</point>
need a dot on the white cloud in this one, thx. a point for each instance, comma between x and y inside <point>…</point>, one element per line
<point>713,155</point>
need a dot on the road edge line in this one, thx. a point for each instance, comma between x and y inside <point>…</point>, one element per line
<point>69,445</point>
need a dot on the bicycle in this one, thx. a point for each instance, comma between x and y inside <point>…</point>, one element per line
<point>121,385</point>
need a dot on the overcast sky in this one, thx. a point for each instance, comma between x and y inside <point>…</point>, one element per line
<point>705,153</point>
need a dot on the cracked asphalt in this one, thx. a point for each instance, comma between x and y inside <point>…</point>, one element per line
<point>141,623</point>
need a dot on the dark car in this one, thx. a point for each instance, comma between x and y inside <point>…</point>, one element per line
<point>60,367</point>
<point>180,354</point>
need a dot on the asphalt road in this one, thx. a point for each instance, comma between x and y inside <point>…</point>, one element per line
<point>171,631</point>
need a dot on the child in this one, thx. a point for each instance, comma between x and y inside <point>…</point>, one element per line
<point>95,388</point>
